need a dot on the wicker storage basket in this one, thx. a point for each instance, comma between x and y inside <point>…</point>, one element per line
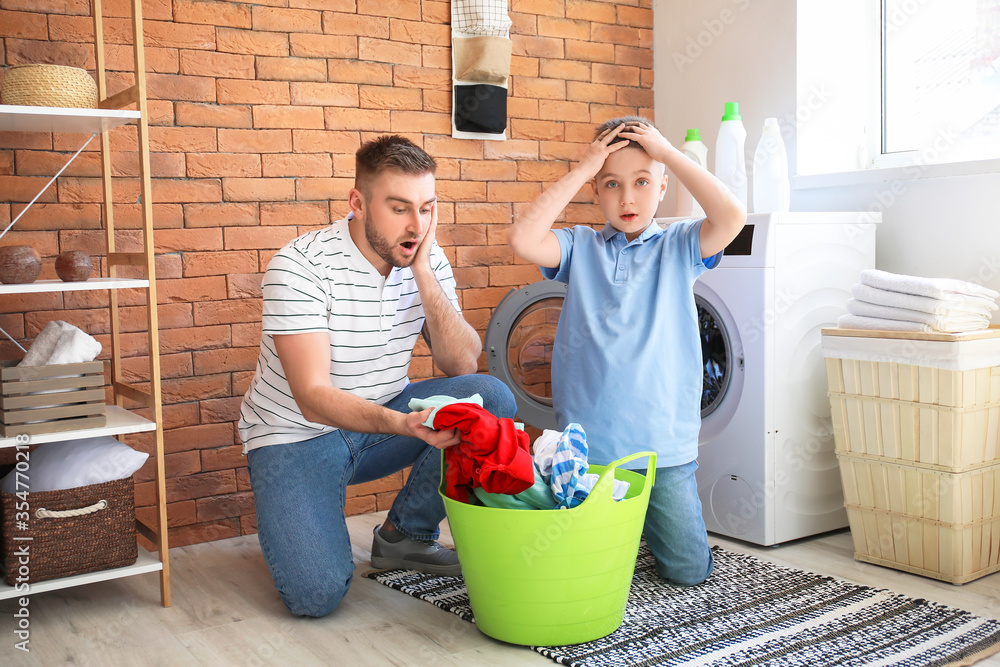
<point>44,546</point>
<point>921,520</point>
<point>48,86</point>
<point>932,401</point>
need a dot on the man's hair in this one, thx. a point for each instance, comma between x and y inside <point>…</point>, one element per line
<point>389,151</point>
<point>615,122</point>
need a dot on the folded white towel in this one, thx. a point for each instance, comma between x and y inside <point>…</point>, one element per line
<point>966,306</point>
<point>61,343</point>
<point>849,321</point>
<point>947,323</point>
<point>937,288</point>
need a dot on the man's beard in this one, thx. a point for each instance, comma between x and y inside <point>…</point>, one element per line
<point>384,249</point>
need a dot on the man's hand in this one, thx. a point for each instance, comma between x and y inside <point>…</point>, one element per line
<point>597,152</point>
<point>654,143</point>
<point>439,439</point>
<point>423,258</point>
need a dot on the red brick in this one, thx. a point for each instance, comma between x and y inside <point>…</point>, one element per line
<point>563,28</point>
<point>179,35</point>
<point>201,485</point>
<point>253,92</point>
<point>419,32</point>
<point>245,286</point>
<point>350,71</point>
<point>191,240</point>
<point>258,189</point>
<point>323,46</point>
<point>437,100</point>
<point>313,189</point>
<point>567,70</point>
<point>296,213</point>
<point>252,42</point>
<point>473,276</point>
<point>190,290</point>
<point>212,115</point>
<point>615,34</point>
<point>197,437</point>
<point>176,87</point>
<point>245,334</point>
<point>536,129</point>
<point>552,89</point>
<point>488,170</point>
<point>231,505</point>
<point>182,139</point>
<point>461,191</point>
<point>217,410</point>
<point>183,536</point>
<point>200,337</point>
<point>421,77</point>
<point>210,362</point>
<point>589,51</point>
<point>482,213</point>
<point>217,215</point>
<point>23,25</point>
<point>219,65</point>
<point>545,172</point>
<point>253,238</point>
<point>371,120</point>
<point>545,7</point>
<point>537,47</point>
<point>401,10</point>
<point>386,51</point>
<point>512,192</point>
<point>186,190</point>
<point>211,13</point>
<point>599,12</point>
<point>255,141</point>
<point>420,121</point>
<point>223,164</point>
<point>265,116</point>
<point>219,263</point>
<point>514,149</point>
<point>524,66</point>
<point>461,235</point>
<point>230,312</point>
<point>635,97</point>
<point>277,19</point>
<point>325,141</point>
<point>513,275</point>
<point>589,92</point>
<point>323,94</point>
<point>339,23</point>
<point>288,164</point>
<point>291,69</point>
<point>487,297</point>
<point>438,57</point>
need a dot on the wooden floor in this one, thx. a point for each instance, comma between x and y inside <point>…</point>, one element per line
<point>226,612</point>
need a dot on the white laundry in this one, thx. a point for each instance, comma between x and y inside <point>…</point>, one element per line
<point>937,288</point>
<point>849,321</point>
<point>946,323</point>
<point>61,343</point>
<point>959,305</point>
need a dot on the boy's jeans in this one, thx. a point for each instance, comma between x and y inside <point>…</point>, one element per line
<point>675,530</point>
<point>300,489</point>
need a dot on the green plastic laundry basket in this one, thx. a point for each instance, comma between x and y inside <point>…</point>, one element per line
<point>553,577</point>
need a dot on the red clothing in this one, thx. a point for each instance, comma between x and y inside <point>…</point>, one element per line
<point>493,454</point>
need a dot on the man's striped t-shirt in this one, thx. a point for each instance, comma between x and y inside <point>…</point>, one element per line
<point>320,281</point>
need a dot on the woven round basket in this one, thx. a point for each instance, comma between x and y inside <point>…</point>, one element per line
<point>48,86</point>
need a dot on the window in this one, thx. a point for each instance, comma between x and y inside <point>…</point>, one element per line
<point>940,97</point>
<point>896,83</point>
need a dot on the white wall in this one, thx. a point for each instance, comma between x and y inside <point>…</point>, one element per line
<point>715,51</point>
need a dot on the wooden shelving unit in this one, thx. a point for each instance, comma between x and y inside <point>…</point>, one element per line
<point>111,114</point>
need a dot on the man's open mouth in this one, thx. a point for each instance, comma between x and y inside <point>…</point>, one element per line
<point>408,245</point>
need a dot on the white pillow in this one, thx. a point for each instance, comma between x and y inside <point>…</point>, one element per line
<point>68,464</point>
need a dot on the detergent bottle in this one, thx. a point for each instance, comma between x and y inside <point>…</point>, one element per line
<point>770,171</point>
<point>698,152</point>
<point>730,161</point>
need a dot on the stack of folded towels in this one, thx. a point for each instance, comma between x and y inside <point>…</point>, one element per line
<point>894,302</point>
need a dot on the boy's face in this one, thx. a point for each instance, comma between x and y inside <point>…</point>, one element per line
<point>628,188</point>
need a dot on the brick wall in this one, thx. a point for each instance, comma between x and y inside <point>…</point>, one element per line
<point>256,110</point>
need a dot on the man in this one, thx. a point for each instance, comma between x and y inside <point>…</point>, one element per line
<point>327,407</point>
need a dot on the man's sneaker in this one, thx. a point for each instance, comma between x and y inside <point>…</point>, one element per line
<point>409,554</point>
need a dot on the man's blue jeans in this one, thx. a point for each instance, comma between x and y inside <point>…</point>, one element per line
<point>300,488</point>
<point>675,530</point>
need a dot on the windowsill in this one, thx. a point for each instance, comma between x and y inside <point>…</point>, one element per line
<point>908,173</point>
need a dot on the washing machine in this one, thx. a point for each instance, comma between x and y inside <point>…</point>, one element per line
<point>767,471</point>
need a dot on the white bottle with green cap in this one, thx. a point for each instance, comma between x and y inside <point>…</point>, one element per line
<point>730,160</point>
<point>687,206</point>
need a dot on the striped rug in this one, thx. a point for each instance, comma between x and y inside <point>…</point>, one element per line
<point>752,612</point>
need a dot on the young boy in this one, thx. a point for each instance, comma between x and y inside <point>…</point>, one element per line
<point>627,357</point>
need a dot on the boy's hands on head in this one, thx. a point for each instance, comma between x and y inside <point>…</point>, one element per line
<point>598,151</point>
<point>650,139</point>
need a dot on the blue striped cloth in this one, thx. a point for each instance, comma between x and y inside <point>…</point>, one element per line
<point>569,465</point>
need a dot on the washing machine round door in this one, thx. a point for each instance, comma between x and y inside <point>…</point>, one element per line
<point>716,356</point>
<point>519,344</point>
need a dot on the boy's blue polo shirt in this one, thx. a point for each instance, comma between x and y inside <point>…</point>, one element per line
<point>627,361</point>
